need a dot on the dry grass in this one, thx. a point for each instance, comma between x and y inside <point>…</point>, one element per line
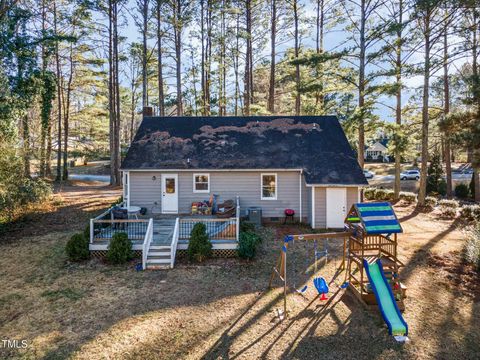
<point>221,310</point>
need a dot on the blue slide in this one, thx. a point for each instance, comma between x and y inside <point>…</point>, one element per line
<point>385,299</point>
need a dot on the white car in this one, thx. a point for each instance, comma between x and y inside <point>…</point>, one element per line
<point>410,175</point>
<point>368,174</point>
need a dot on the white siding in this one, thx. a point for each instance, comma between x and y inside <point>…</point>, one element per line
<point>227,184</point>
<point>320,204</point>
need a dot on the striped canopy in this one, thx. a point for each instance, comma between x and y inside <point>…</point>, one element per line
<point>377,218</point>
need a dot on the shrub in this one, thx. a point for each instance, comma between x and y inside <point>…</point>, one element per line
<point>472,186</point>
<point>472,247</point>
<point>199,246</point>
<point>77,248</point>
<point>462,191</point>
<point>453,204</point>
<point>434,174</point>
<point>86,231</point>
<point>120,249</point>
<point>246,226</point>
<point>442,187</point>
<point>384,194</point>
<point>247,245</point>
<point>430,202</point>
<point>448,208</point>
<point>408,197</point>
<point>470,212</point>
<point>369,193</point>
<point>448,212</point>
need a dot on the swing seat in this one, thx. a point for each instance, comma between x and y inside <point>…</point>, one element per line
<point>321,286</point>
<point>302,290</point>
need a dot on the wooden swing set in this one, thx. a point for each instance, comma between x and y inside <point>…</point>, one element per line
<point>370,234</point>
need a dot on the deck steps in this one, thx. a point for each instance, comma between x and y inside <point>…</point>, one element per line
<point>159,253</point>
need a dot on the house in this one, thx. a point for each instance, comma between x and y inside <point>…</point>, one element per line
<point>304,163</point>
<point>377,151</point>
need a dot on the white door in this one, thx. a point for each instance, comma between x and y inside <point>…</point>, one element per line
<point>336,207</point>
<point>169,193</point>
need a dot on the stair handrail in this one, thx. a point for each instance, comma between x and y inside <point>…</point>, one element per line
<point>146,243</point>
<point>237,218</point>
<point>173,249</point>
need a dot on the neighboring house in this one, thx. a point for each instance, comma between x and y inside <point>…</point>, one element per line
<point>377,151</point>
<point>303,163</point>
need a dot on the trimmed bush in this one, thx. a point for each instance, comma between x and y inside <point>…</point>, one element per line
<point>369,193</point>
<point>453,204</point>
<point>120,249</point>
<point>77,248</point>
<point>199,245</point>
<point>462,191</point>
<point>448,212</point>
<point>246,226</point>
<point>247,245</point>
<point>430,202</point>
<point>408,197</point>
<point>472,247</point>
<point>384,194</point>
<point>470,212</point>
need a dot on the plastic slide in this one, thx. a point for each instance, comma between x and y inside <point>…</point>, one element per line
<point>386,300</point>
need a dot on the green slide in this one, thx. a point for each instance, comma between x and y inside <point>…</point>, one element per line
<point>385,299</point>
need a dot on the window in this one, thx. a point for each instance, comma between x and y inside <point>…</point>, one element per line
<point>269,186</point>
<point>201,183</point>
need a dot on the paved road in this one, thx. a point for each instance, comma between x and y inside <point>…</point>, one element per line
<point>87,177</point>
<point>455,176</point>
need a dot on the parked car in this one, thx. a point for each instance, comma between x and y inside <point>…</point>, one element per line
<point>410,175</point>
<point>368,174</point>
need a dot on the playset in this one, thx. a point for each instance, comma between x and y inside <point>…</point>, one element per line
<point>369,260</point>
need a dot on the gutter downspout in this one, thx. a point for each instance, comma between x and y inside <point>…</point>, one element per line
<point>313,207</point>
<point>301,202</point>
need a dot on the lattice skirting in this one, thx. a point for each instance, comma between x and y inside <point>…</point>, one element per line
<point>100,254</point>
<point>218,253</point>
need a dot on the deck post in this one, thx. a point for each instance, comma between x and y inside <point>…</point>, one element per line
<point>91,231</point>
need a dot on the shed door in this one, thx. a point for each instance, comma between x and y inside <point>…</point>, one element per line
<point>336,207</point>
<point>169,193</point>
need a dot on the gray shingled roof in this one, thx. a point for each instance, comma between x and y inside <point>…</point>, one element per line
<point>316,144</point>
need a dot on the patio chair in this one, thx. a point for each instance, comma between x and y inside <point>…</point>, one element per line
<point>226,209</point>
<point>119,214</point>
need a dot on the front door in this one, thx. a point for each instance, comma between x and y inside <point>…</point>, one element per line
<point>169,193</point>
<point>336,207</point>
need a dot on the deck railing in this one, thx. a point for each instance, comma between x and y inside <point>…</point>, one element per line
<point>173,248</point>
<point>101,230</point>
<point>146,243</point>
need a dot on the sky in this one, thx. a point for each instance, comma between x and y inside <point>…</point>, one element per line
<point>333,41</point>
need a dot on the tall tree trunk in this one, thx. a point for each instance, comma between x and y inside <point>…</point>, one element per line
<point>398,109</point>
<point>202,40</point>
<point>475,155</point>
<point>59,97</point>
<point>425,116</point>
<point>247,95</point>
<point>44,128</point>
<point>297,65</point>
<point>111,92</point>
<point>26,145</point>
<point>236,63</point>
<point>319,96</point>
<point>273,34</point>
<point>178,54</point>
<point>116,84</point>
<point>361,86</point>
<point>446,109</point>
<point>161,94</point>
<point>48,157</point>
<point>66,117</point>
<point>144,54</point>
